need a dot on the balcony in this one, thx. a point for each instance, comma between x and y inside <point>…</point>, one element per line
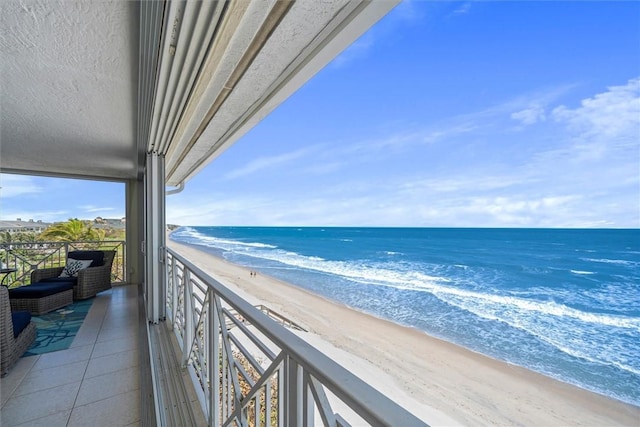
<point>94,382</point>
<point>121,370</point>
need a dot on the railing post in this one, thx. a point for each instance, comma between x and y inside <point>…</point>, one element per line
<point>188,319</point>
<point>214,361</point>
<point>307,403</point>
<point>174,290</point>
<point>282,393</point>
<point>293,393</point>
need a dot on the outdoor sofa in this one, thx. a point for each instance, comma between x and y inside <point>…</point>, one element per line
<point>89,281</point>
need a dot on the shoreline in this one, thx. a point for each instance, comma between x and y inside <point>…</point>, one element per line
<point>440,382</point>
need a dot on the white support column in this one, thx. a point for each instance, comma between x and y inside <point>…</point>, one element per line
<point>155,241</point>
<point>134,249</point>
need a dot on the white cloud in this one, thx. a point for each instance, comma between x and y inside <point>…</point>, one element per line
<point>216,209</point>
<point>326,168</point>
<point>463,9</point>
<point>542,178</point>
<point>17,185</point>
<point>403,15</point>
<point>527,108</point>
<point>519,206</point>
<point>42,215</point>
<point>532,103</point>
<point>473,182</point>
<point>270,162</point>
<point>444,132</point>
<point>609,114</point>
<point>406,13</point>
<point>363,149</point>
<point>530,115</point>
<point>92,208</point>
<point>603,132</point>
<point>422,203</point>
<point>358,49</point>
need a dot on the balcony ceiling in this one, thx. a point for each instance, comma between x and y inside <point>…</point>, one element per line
<point>89,87</point>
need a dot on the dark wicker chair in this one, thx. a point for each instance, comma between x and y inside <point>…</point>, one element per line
<point>11,346</point>
<point>90,280</point>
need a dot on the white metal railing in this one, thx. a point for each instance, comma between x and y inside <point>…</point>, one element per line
<point>258,373</point>
<point>25,257</point>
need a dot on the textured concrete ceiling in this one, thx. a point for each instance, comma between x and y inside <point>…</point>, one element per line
<point>72,102</point>
<point>69,87</point>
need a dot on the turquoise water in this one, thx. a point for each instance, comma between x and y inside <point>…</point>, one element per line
<point>565,303</point>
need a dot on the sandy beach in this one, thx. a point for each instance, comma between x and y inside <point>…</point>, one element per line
<point>439,382</point>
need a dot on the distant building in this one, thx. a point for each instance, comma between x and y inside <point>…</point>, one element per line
<point>23,226</point>
<point>38,226</point>
<point>109,222</point>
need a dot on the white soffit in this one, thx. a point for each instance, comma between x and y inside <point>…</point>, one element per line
<point>262,53</point>
<point>69,87</point>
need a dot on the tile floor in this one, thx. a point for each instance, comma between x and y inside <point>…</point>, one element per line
<point>93,383</point>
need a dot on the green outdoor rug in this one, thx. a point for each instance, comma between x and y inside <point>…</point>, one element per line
<point>57,329</point>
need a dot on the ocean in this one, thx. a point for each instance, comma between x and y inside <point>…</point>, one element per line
<point>562,302</point>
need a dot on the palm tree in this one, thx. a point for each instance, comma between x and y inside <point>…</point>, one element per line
<point>73,230</point>
<point>26,237</point>
<point>5,237</point>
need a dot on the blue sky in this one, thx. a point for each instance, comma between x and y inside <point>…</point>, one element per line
<point>470,114</point>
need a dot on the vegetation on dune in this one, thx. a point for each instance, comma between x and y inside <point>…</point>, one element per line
<point>73,230</point>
